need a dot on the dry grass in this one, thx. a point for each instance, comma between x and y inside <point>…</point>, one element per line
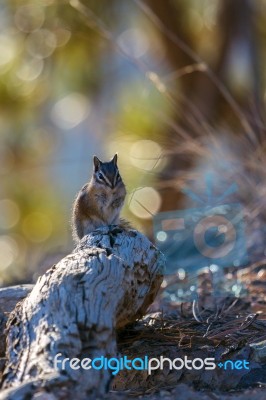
<point>224,331</point>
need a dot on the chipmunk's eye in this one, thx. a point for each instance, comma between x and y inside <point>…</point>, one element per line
<point>100,175</point>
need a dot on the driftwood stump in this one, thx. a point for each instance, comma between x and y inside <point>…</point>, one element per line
<point>75,309</point>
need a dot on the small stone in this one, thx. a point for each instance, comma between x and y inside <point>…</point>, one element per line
<point>164,393</point>
<point>259,351</point>
<point>43,396</point>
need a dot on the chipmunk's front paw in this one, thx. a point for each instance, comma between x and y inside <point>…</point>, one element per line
<point>117,202</point>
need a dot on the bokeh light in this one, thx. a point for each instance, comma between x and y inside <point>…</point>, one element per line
<point>9,213</point>
<point>62,36</point>
<point>146,154</point>
<point>37,227</point>
<point>30,69</point>
<point>133,42</point>
<point>7,51</point>
<point>122,84</point>
<point>29,18</point>
<point>8,251</point>
<point>70,111</point>
<point>41,43</point>
<point>145,202</point>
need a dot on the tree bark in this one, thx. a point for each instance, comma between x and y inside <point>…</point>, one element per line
<point>75,309</point>
<point>9,297</point>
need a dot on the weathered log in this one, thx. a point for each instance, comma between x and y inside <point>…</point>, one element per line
<point>9,297</point>
<point>74,309</point>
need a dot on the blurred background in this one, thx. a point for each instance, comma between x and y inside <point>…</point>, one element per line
<point>176,87</point>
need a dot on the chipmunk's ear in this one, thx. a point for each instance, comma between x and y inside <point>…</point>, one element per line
<point>114,159</point>
<point>96,163</point>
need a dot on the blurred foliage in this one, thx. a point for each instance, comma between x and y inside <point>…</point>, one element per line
<point>101,77</point>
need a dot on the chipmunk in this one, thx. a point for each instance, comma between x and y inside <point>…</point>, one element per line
<point>99,202</point>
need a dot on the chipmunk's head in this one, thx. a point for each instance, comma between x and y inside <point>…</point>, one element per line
<point>106,173</point>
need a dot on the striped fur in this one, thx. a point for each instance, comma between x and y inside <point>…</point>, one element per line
<point>106,173</point>
<point>99,202</point>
